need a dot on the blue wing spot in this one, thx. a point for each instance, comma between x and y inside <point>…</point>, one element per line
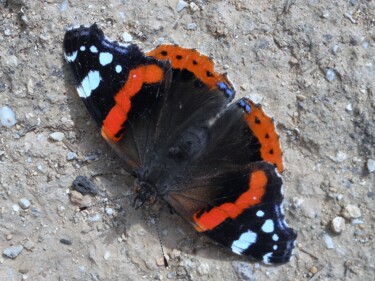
<point>244,105</point>
<point>224,87</point>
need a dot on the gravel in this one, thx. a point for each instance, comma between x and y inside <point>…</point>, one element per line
<point>13,252</point>
<point>7,117</point>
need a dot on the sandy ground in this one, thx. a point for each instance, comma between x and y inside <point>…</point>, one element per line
<point>310,63</point>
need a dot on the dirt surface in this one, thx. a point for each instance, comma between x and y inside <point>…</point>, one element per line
<point>310,63</point>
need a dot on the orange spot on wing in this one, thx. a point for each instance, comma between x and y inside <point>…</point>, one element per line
<point>263,128</point>
<point>217,215</point>
<point>200,65</point>
<point>116,117</point>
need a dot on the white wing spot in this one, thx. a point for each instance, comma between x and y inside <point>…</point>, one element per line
<point>268,226</point>
<point>266,258</point>
<point>93,49</point>
<point>260,213</point>
<point>274,247</point>
<point>275,237</point>
<point>244,242</point>
<point>83,48</point>
<point>118,68</point>
<point>105,58</point>
<point>88,84</point>
<point>72,57</point>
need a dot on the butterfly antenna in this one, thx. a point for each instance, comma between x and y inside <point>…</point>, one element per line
<point>160,242</point>
<point>104,201</point>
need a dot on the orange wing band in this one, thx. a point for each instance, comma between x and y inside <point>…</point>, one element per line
<point>263,128</point>
<point>211,219</point>
<point>198,64</point>
<point>116,117</point>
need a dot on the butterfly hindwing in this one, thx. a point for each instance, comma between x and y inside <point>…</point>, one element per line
<point>231,194</point>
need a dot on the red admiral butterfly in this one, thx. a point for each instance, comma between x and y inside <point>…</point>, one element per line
<point>167,115</point>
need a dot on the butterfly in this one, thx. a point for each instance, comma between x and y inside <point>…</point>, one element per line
<point>168,115</point>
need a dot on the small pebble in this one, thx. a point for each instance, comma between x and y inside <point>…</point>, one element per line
<point>13,252</point>
<point>64,5</point>
<point>127,37</point>
<point>371,165</point>
<point>84,186</point>
<point>65,241</point>
<point>349,107</point>
<point>351,212</point>
<point>365,45</point>
<point>181,5</point>
<point>106,255</point>
<point>24,203</point>
<point>57,136</point>
<point>70,156</point>
<point>95,217</point>
<point>328,241</point>
<point>297,202</point>
<point>243,270</point>
<point>194,7</point>
<point>203,269</point>
<point>160,261</point>
<point>335,49</point>
<point>29,245</point>
<point>175,253</point>
<point>338,225</point>
<point>340,157</point>
<point>191,26</point>
<point>16,208</point>
<point>7,32</point>
<point>7,116</point>
<point>76,197</point>
<point>9,237</point>
<point>330,75</point>
<point>313,269</point>
<point>109,211</point>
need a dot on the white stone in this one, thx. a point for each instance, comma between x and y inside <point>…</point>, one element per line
<point>109,211</point>
<point>194,7</point>
<point>191,26</point>
<point>330,75</point>
<point>203,269</point>
<point>24,203</point>
<point>106,255</point>
<point>371,165</point>
<point>181,5</point>
<point>351,212</point>
<point>127,37</point>
<point>15,208</point>
<point>57,136</point>
<point>13,252</point>
<point>328,241</point>
<point>338,225</point>
<point>349,107</point>
<point>7,117</point>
